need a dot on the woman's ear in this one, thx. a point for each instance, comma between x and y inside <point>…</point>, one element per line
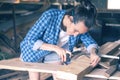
<point>71,18</point>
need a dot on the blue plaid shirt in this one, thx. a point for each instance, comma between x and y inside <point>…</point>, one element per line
<point>47,29</point>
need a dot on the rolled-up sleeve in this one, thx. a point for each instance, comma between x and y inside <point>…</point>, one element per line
<point>37,44</point>
<point>88,41</point>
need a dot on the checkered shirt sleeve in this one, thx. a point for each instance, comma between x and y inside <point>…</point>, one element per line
<point>88,41</point>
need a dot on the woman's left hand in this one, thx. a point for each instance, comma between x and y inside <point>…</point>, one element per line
<point>95,59</point>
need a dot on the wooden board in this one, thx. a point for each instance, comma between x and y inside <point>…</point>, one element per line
<point>10,1</point>
<point>44,76</point>
<point>78,68</point>
<point>115,76</point>
<point>73,71</point>
<point>10,12</point>
<point>97,73</point>
<point>8,75</point>
<point>114,61</point>
<point>24,76</point>
<point>100,73</point>
<point>16,64</point>
<point>104,65</point>
<point>109,48</point>
<point>112,69</point>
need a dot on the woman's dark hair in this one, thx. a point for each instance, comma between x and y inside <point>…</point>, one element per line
<point>86,12</point>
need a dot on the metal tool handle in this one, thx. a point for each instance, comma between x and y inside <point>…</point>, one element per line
<point>110,56</point>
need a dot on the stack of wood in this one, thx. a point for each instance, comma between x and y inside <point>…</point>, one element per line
<point>108,66</point>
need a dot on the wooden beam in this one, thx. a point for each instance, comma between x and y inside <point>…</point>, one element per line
<point>110,62</point>
<point>8,75</point>
<point>104,65</point>
<point>108,49</point>
<point>23,19</point>
<point>114,61</point>
<point>23,75</point>
<point>44,76</point>
<point>10,1</point>
<point>31,0</point>
<point>16,12</point>
<point>16,64</point>
<point>100,73</point>
<point>78,68</point>
<point>115,76</point>
<point>97,73</point>
<point>110,70</point>
<point>73,71</point>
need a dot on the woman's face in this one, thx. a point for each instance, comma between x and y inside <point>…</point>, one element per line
<point>75,29</point>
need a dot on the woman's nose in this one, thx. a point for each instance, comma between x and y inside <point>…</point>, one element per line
<point>75,34</point>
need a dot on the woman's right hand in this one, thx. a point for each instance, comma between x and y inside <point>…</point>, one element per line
<point>62,53</point>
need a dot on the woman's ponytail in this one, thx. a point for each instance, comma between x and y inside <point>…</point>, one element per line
<point>89,6</point>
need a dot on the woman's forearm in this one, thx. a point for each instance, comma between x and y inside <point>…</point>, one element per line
<point>48,47</point>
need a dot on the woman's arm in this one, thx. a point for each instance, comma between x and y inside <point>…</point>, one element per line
<point>88,41</point>
<point>35,34</point>
<point>60,51</point>
<point>91,48</point>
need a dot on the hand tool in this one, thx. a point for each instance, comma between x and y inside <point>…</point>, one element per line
<point>68,59</point>
<point>113,57</point>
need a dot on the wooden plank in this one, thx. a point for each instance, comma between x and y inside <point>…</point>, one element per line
<point>114,61</point>
<point>100,73</point>
<point>76,70</point>
<point>16,12</point>
<point>10,1</point>
<point>19,78</point>
<point>22,76</point>
<point>44,76</point>
<point>110,70</point>
<point>97,73</point>
<point>8,75</point>
<point>104,65</point>
<point>25,66</point>
<point>115,76</point>
<point>73,71</point>
<point>110,62</point>
<point>23,19</point>
<point>109,48</point>
<point>31,0</point>
<point>105,45</point>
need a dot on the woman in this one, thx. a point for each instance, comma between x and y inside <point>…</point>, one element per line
<point>56,32</point>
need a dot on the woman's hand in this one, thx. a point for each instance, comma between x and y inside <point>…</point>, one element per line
<point>62,53</point>
<point>95,59</point>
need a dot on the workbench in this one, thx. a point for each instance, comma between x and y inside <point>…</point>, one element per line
<point>77,70</point>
